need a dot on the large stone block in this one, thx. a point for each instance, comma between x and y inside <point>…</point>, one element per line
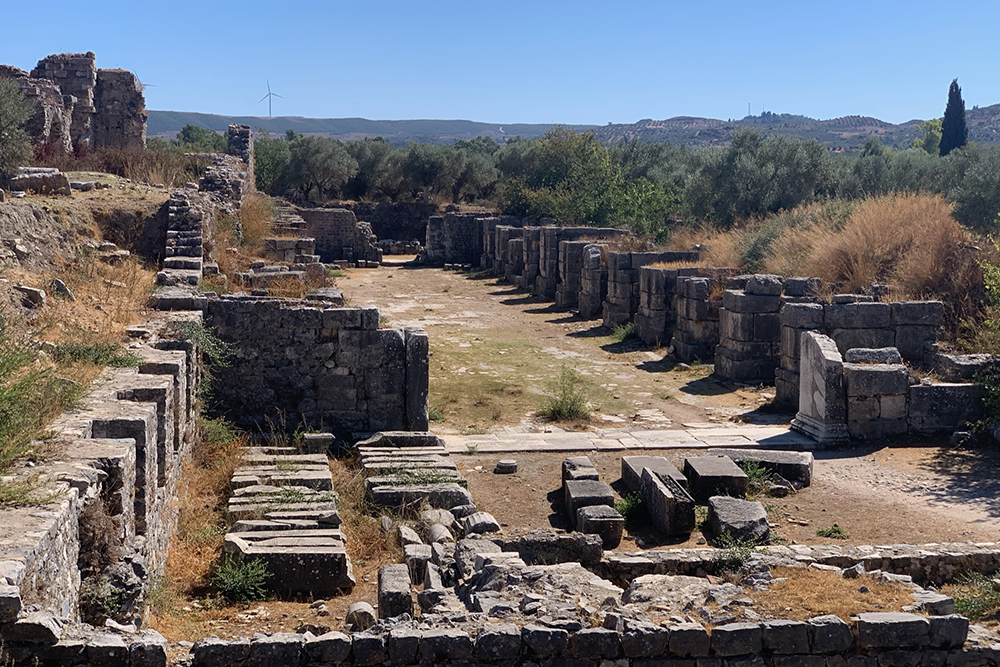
<point>944,407</point>
<point>922,313</point>
<point>876,379</point>
<point>632,467</point>
<point>669,506</point>
<point>741,302</point>
<point>858,316</point>
<point>394,597</point>
<point>793,466</point>
<point>822,411</point>
<point>581,493</point>
<point>911,340</point>
<point>848,339</point>
<point>802,315</point>
<point>603,521</point>
<point>892,630</point>
<point>765,284</point>
<point>740,520</point>
<point>714,476</point>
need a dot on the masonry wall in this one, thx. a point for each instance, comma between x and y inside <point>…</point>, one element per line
<point>657,317</point>
<point>396,221</point>
<point>120,110</point>
<point>76,75</point>
<point>339,236</point>
<point>593,281</point>
<point>697,302</point>
<point>553,269</point>
<point>503,257</point>
<point>304,366</point>
<point>622,301</point>
<point>124,445</point>
<point>52,114</point>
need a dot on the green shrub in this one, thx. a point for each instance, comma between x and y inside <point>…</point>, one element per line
<point>241,580</point>
<point>976,597</point>
<point>623,332</point>
<point>15,144</point>
<point>101,354</point>
<point>733,554</point>
<point>568,400</point>
<point>219,352</point>
<point>435,415</point>
<point>834,532</point>
<point>759,477</point>
<point>632,508</point>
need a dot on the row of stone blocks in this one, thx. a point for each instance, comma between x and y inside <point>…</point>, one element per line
<point>878,638</point>
<point>590,503</point>
<point>406,469</point>
<point>285,512</point>
<point>298,251</point>
<point>187,215</point>
<point>670,496</point>
<point>122,445</point>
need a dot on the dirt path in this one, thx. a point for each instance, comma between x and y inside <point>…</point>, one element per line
<point>494,349</point>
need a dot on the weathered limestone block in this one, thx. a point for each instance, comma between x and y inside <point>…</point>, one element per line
<point>858,316</point>
<point>714,475</point>
<point>892,630</point>
<point>822,411</point>
<point>603,521</point>
<point>669,506</point>
<point>793,466</point>
<point>578,467</point>
<point>741,520</point>
<point>394,597</point>
<point>632,467</point>
<point>581,493</point>
<point>944,407</point>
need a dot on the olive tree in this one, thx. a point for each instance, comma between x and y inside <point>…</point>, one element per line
<point>15,144</point>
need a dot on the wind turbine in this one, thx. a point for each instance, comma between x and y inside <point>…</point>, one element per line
<point>268,98</point>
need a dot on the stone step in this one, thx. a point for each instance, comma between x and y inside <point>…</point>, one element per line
<point>438,496</point>
<point>188,263</point>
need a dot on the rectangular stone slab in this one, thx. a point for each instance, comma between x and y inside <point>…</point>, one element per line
<point>669,506</point>
<point>603,521</point>
<point>793,466</point>
<point>581,493</point>
<point>438,496</point>
<point>632,470</point>
<point>299,570</point>
<point>714,476</point>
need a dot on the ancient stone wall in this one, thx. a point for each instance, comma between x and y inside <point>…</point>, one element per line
<point>394,221</point>
<point>120,110</point>
<point>593,281</point>
<point>657,317</point>
<point>502,257</point>
<point>339,236</point>
<point>622,302</point>
<point>239,142</point>
<point>697,302</point>
<point>50,122</point>
<point>307,366</point>
<point>76,75</point>
<point>531,256</point>
<point>853,321</point>
<point>554,269</point>
<point>122,446</point>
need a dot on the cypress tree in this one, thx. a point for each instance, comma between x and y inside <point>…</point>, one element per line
<point>954,133</point>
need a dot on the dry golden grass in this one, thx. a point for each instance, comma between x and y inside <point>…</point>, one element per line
<point>257,215</point>
<point>719,248</point>
<point>368,546</point>
<point>806,593</point>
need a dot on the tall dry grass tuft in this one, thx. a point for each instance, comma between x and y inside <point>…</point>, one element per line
<point>256,215</point>
<point>368,545</point>
<point>719,247</point>
<point>146,165</point>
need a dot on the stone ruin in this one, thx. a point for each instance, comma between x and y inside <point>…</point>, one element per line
<point>80,106</point>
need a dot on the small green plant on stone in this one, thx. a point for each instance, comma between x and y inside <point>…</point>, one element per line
<point>834,532</point>
<point>435,415</point>
<point>631,508</point>
<point>976,596</point>
<point>759,477</point>
<point>219,352</point>
<point>733,554</point>
<point>623,332</point>
<point>101,354</point>
<point>472,449</point>
<point>568,400</point>
<point>241,580</point>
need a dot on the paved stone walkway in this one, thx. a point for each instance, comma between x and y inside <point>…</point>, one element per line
<point>697,436</point>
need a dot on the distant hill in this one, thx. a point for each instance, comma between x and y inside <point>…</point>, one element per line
<point>169,123</point>
<point>847,133</point>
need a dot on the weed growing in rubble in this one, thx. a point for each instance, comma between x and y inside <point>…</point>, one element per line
<point>568,400</point>
<point>834,532</point>
<point>219,352</point>
<point>733,554</point>
<point>631,508</point>
<point>976,596</point>
<point>241,580</point>
<point>100,354</point>
<point>759,477</point>
<point>623,332</point>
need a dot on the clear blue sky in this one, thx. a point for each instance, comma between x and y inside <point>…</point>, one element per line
<point>541,61</point>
